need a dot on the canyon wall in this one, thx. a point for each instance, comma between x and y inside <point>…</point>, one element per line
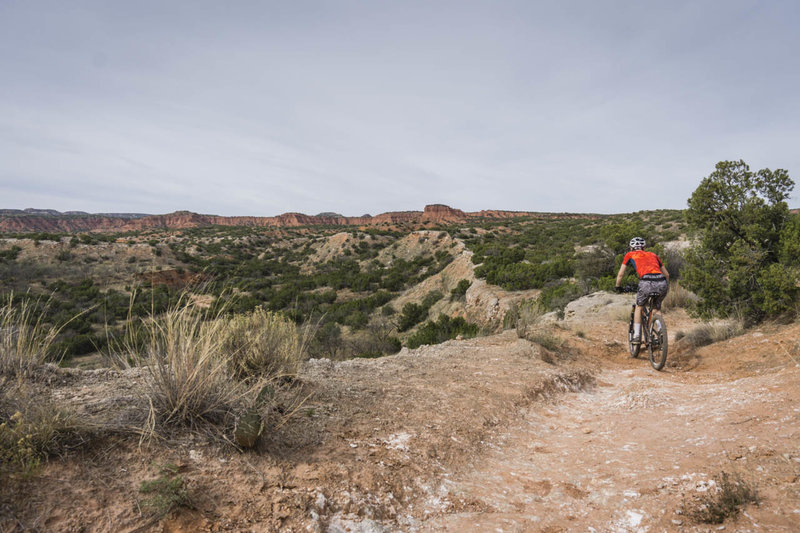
<point>12,221</point>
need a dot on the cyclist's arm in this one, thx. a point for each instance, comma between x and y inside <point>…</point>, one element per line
<point>664,271</point>
<point>621,273</point>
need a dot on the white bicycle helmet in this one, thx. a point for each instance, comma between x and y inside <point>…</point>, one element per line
<point>637,243</point>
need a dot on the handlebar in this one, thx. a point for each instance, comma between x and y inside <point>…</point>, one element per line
<point>629,288</point>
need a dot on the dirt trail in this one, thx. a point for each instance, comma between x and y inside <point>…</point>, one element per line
<point>627,454</point>
<point>620,457</point>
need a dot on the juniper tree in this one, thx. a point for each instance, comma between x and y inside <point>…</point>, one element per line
<point>742,222</point>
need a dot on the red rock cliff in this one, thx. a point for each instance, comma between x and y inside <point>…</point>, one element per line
<point>437,213</point>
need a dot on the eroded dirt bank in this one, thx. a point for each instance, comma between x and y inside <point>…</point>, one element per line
<point>368,446</point>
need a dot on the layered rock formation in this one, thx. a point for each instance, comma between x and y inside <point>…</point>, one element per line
<point>13,221</point>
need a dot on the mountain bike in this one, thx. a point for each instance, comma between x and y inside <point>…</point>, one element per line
<point>654,331</point>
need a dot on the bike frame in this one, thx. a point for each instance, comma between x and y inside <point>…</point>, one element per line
<point>653,343</point>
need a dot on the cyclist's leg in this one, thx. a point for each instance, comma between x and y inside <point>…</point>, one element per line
<point>641,298</point>
<point>662,287</point>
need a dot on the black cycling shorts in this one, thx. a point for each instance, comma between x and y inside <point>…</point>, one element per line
<point>648,287</point>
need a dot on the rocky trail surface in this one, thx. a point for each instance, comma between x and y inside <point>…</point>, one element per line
<point>496,434</point>
<point>633,454</point>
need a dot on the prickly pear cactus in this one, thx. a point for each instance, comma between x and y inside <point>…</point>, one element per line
<point>248,429</point>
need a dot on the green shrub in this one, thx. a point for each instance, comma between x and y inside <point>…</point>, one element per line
<point>595,263</point>
<point>411,315</point>
<point>63,256</point>
<point>557,296</point>
<point>444,328</point>
<point>431,298</point>
<point>778,289</point>
<point>745,231</point>
<point>327,341</point>
<point>460,290</point>
<point>11,254</point>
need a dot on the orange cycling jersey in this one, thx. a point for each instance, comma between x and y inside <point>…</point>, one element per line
<point>644,262</point>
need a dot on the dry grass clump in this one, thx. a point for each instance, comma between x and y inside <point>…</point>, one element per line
<point>710,333</point>
<point>555,346</point>
<point>730,494</point>
<point>26,342</point>
<point>263,344</point>
<point>524,316</point>
<point>621,314</point>
<point>208,370</point>
<point>189,377</point>
<point>33,427</point>
<point>678,297</point>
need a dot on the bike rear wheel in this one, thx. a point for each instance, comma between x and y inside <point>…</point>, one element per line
<point>634,348</point>
<point>658,343</point>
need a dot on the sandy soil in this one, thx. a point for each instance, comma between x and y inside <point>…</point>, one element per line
<point>487,434</point>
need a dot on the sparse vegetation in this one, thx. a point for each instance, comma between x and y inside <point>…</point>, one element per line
<point>547,340</point>
<point>32,428</point>
<point>164,493</point>
<point>729,494</point>
<point>282,270</point>
<point>212,356</point>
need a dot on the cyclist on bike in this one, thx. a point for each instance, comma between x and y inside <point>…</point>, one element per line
<point>653,279</point>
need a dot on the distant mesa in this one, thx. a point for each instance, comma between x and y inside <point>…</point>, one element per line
<point>32,211</point>
<point>54,213</point>
<point>48,220</point>
<point>442,213</point>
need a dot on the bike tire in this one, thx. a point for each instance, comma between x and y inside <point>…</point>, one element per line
<point>634,348</point>
<point>658,343</point>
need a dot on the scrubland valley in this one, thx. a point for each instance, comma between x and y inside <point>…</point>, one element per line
<point>456,372</point>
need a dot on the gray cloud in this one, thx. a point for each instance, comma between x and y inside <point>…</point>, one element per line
<point>266,107</point>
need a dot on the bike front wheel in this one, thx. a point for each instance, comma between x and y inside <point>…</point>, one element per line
<point>658,343</point>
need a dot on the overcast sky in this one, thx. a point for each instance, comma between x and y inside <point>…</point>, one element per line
<point>265,107</point>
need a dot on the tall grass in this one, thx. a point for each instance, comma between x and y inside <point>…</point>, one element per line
<point>263,344</point>
<point>678,297</point>
<point>204,367</point>
<point>26,342</point>
<point>189,381</point>
<point>523,316</point>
